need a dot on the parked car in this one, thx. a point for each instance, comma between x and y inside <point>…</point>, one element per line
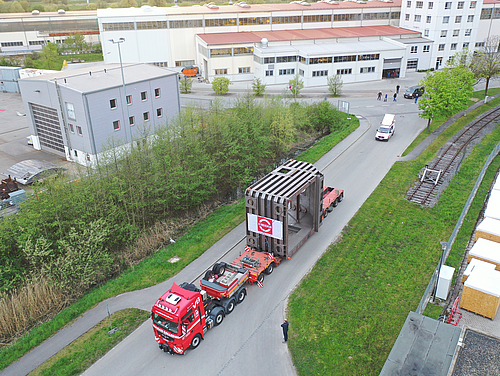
<point>414,91</point>
<point>386,129</point>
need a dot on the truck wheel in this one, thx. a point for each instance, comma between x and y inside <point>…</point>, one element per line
<point>241,296</point>
<point>341,197</point>
<point>219,317</point>
<point>230,306</point>
<point>335,203</point>
<point>330,208</point>
<point>195,341</point>
<point>269,269</point>
<point>208,274</point>
<point>260,278</point>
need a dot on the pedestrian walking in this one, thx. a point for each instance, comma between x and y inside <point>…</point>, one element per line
<point>385,98</point>
<point>416,98</point>
<point>395,95</point>
<point>284,326</point>
<point>397,88</point>
<point>379,96</point>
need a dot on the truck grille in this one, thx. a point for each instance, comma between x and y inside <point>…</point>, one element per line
<point>167,338</point>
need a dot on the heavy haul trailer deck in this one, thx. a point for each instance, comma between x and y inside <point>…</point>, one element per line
<point>284,208</point>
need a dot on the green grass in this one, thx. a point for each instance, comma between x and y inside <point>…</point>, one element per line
<point>58,62</point>
<point>326,144</point>
<point>87,349</point>
<point>347,313</point>
<point>433,310</point>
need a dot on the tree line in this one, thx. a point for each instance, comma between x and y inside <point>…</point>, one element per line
<point>74,234</point>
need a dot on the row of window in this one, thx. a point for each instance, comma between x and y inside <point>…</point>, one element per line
<point>316,60</point>
<point>446,19</point>
<point>144,97</point>
<point>222,52</point>
<point>320,73</point>
<point>242,70</point>
<point>488,13</point>
<point>131,119</point>
<point>414,49</point>
<point>244,21</point>
<point>447,5</point>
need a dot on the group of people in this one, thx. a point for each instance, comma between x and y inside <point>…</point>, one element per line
<point>394,96</point>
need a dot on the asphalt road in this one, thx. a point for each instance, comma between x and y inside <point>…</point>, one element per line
<point>249,341</point>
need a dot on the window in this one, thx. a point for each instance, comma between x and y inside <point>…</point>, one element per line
<point>244,70</point>
<point>367,70</point>
<point>70,110</point>
<point>466,45</point>
<point>283,72</point>
<point>343,59</point>
<point>301,72</point>
<point>71,128</point>
<point>286,59</point>
<point>129,99</point>
<point>453,46</point>
<point>320,60</point>
<point>468,32</point>
<point>220,22</point>
<point>320,73</point>
<point>220,52</point>
<point>441,47</point>
<point>486,13</point>
<point>219,72</point>
<point>318,18</point>
<point>408,4</point>
<point>269,60</point>
<point>458,19</point>
<point>145,116</point>
<point>427,48</point>
<point>446,19</point>
<point>116,125</point>
<point>447,5</point>
<point>185,24</point>
<point>269,73</point>
<point>344,71</point>
<point>460,5</point>
<point>414,49</point>
<point>407,17</point>
<point>420,4</point>
<point>254,21</point>
<point>472,4</point>
<point>112,103</point>
<point>470,18</point>
<point>456,32</point>
<point>443,33</point>
<point>159,112</point>
<point>439,61</point>
<point>368,57</point>
<point>479,44</point>
<point>418,18</point>
<point>157,92</point>
<point>131,120</point>
<point>429,19</point>
<point>412,64</point>
<point>426,32</point>
<point>79,130</point>
<point>242,51</point>
<point>287,19</point>
<point>36,42</point>
<point>11,44</point>
<point>144,96</point>
<point>430,5</point>
<point>185,63</point>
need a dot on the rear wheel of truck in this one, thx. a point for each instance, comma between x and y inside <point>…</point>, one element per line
<point>218,318</point>
<point>260,278</point>
<point>241,296</point>
<point>335,203</point>
<point>230,306</point>
<point>269,269</point>
<point>341,197</point>
<point>195,341</point>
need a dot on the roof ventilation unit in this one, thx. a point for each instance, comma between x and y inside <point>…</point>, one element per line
<point>264,42</point>
<point>212,6</point>
<point>61,11</point>
<point>300,2</point>
<point>242,4</point>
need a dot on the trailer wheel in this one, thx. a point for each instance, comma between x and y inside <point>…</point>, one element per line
<point>260,278</point>
<point>335,203</point>
<point>269,269</point>
<point>341,197</point>
<point>195,341</point>
<point>230,306</point>
<point>330,208</point>
<point>219,317</point>
<point>241,295</point>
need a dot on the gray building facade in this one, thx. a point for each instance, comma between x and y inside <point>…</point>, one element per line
<point>83,112</point>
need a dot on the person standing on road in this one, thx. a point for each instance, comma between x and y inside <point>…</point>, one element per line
<point>284,326</point>
<point>379,96</point>
<point>397,88</point>
<point>385,98</point>
<point>416,98</point>
<point>394,96</point>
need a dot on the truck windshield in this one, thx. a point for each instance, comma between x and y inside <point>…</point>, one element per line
<point>166,324</point>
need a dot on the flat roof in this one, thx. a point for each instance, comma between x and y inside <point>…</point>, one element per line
<point>99,77</point>
<point>307,34</point>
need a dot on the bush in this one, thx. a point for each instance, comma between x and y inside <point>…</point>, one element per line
<point>221,85</point>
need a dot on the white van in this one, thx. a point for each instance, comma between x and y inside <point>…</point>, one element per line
<point>387,128</point>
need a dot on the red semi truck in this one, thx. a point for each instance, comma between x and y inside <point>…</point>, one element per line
<point>283,209</point>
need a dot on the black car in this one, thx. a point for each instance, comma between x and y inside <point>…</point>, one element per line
<point>414,91</point>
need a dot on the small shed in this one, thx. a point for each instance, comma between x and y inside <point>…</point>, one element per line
<point>30,170</point>
<point>284,208</point>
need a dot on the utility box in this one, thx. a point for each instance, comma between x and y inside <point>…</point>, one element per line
<point>444,282</point>
<point>284,208</point>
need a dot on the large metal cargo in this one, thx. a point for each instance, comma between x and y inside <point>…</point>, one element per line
<point>284,208</point>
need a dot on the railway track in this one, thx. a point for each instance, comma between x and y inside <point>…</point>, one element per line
<point>440,170</point>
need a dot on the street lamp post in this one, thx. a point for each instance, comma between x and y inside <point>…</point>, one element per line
<point>127,120</point>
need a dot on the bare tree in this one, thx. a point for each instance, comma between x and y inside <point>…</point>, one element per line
<point>486,62</point>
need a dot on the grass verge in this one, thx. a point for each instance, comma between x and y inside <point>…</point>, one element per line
<point>86,350</point>
<point>347,313</point>
<point>155,269</point>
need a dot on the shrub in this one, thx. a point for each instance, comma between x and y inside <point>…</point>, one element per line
<point>221,85</point>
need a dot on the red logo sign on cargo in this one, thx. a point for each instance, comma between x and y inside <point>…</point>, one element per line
<point>265,225</point>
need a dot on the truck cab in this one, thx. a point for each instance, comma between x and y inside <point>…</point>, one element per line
<point>179,319</point>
